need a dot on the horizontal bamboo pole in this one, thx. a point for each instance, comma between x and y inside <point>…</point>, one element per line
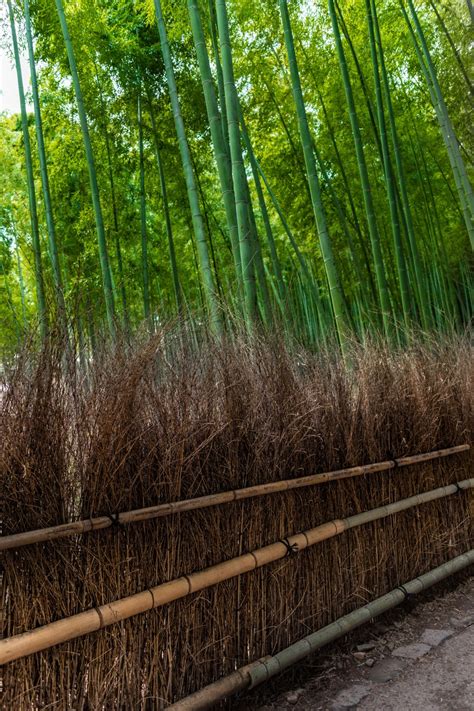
<point>99,617</point>
<point>16,540</point>
<point>262,670</point>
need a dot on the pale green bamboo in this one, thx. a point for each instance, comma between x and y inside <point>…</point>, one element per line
<point>22,288</point>
<point>99,221</point>
<point>456,54</point>
<point>219,74</point>
<point>110,172</point>
<point>11,305</point>
<point>143,226</point>
<point>191,187</point>
<point>238,170</point>
<point>388,172</point>
<point>257,259</point>
<point>218,139</point>
<point>264,212</point>
<point>164,196</point>
<point>335,288</point>
<point>381,279</point>
<point>416,260</point>
<point>310,281</point>
<point>466,195</point>
<point>39,281</point>
<point>53,248</point>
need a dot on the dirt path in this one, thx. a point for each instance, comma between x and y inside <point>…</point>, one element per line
<point>420,657</point>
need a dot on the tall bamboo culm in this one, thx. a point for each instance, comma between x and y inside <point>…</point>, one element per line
<point>239,178</point>
<point>39,281</point>
<point>463,186</point>
<point>191,187</point>
<point>99,221</point>
<point>382,286</point>
<point>333,278</point>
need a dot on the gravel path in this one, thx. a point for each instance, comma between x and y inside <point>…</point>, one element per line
<point>420,657</point>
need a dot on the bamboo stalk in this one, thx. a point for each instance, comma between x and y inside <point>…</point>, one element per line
<point>97,618</point>
<point>91,166</point>
<point>239,178</point>
<point>16,540</point>
<point>332,273</point>
<point>205,269</point>
<point>262,670</point>
<point>30,181</point>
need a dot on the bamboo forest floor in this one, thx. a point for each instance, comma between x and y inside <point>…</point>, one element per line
<point>418,656</point>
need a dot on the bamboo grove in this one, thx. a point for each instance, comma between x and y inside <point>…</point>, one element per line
<point>302,166</point>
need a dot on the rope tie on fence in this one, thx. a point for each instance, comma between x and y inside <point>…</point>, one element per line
<point>114,518</point>
<point>403,589</point>
<point>291,548</point>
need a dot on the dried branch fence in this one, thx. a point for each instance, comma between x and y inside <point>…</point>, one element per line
<point>199,481</point>
<point>95,619</point>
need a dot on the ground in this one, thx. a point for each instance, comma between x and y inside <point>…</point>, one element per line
<point>418,657</point>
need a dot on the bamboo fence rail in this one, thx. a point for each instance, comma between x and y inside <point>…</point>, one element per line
<point>263,669</point>
<point>97,618</point>
<point>16,540</point>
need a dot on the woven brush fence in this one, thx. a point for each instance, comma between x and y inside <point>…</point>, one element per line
<point>150,426</point>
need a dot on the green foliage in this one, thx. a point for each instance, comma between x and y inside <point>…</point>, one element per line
<point>117,47</point>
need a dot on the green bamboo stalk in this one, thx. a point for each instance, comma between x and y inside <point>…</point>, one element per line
<point>191,188</point>
<point>457,56</point>
<point>342,218</point>
<point>470,7</point>
<point>238,171</point>
<point>335,288</point>
<point>257,260</point>
<point>110,172</point>
<point>371,289</point>
<point>164,196</point>
<point>334,198</point>
<point>99,221</point>
<point>364,178</point>
<point>53,248</point>
<point>207,213</point>
<point>277,271</point>
<point>39,282</point>
<point>362,80</point>
<point>353,211</point>
<point>218,138</point>
<point>388,172</point>
<point>219,74</point>
<point>466,195</point>
<point>310,281</point>
<point>143,228</point>
<point>297,154</point>
<point>22,288</point>
<point>11,305</point>
<point>407,213</point>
